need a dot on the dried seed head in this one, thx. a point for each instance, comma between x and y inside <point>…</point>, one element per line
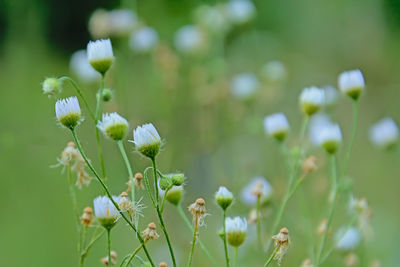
<point>139,180</point>
<point>113,259</point>
<point>124,203</point>
<point>150,232</point>
<point>310,165</point>
<point>351,260</point>
<point>87,216</point>
<point>163,264</point>
<point>198,210</point>
<point>258,189</point>
<point>282,242</point>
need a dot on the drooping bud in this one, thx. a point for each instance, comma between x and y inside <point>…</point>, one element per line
<point>51,86</point>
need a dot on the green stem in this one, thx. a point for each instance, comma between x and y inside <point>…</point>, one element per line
<point>133,255</point>
<point>353,136</point>
<point>128,167</point>
<point>97,117</point>
<point>79,91</point>
<point>109,246</point>
<point>196,226</point>
<point>331,208</point>
<point>155,180</point>
<point>225,245</point>
<point>259,221</point>
<point>189,225</point>
<point>79,146</point>
<point>271,257</point>
<point>235,257</point>
<point>85,252</point>
<point>163,200</point>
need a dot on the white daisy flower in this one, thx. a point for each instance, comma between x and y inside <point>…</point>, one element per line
<point>312,100</point>
<point>240,11</point>
<point>105,211</point>
<point>113,125</point>
<point>236,230</point>
<point>276,125</point>
<point>330,137</point>
<point>384,133</point>
<point>348,240</point>
<point>80,66</point>
<point>68,112</point>
<point>147,140</point>
<point>143,40</point>
<point>259,185</point>
<point>100,55</point>
<point>352,83</point>
<point>244,85</point>
<point>189,39</point>
<point>224,197</point>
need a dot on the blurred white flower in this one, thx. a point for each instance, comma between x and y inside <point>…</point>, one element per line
<point>384,133</point>
<point>240,11</point>
<point>244,85</point>
<point>312,99</point>
<point>330,137</point>
<point>189,39</point>
<point>257,183</point>
<point>143,40</point>
<point>274,71</point>
<point>352,83</point>
<point>80,66</point>
<point>348,240</point>
<point>276,125</point>
<point>212,18</point>
<point>114,23</point>
<point>331,95</point>
<point>317,123</point>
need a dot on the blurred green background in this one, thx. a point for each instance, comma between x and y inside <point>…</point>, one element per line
<point>211,136</point>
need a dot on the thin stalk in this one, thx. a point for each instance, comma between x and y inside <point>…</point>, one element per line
<point>353,135</point>
<point>128,167</point>
<point>97,117</point>
<point>259,221</point>
<point>79,146</point>
<point>155,179</point>
<point>331,208</point>
<point>196,226</point>
<point>109,246</point>
<point>235,257</point>
<point>89,246</point>
<point>163,200</point>
<point>189,225</point>
<point>271,257</point>
<point>225,245</point>
<point>79,91</point>
<point>133,255</point>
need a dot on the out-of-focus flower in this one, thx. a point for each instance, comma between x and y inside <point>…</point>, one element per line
<point>80,66</point>
<point>240,11</point>
<point>330,137</point>
<point>273,71</point>
<point>244,85</point>
<point>331,95</point>
<point>143,40</point>
<point>312,99</point>
<point>348,240</point>
<point>259,184</point>
<point>114,23</point>
<point>352,83</point>
<point>276,125</point>
<point>317,123</point>
<point>189,39</point>
<point>212,18</point>
<point>384,133</point>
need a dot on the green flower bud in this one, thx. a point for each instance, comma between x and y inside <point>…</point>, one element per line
<point>178,179</point>
<point>224,197</point>
<point>107,94</point>
<point>52,86</point>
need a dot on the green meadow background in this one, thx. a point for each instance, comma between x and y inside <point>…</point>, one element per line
<point>210,136</point>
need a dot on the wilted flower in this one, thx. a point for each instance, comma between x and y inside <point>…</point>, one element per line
<point>312,100</point>
<point>240,11</point>
<point>113,259</point>
<point>80,66</point>
<point>198,211</point>
<point>150,232</point>
<point>348,240</point>
<point>330,137</point>
<point>100,55</point>
<point>276,125</point>
<point>147,140</point>
<point>244,85</point>
<point>384,133</point>
<point>224,197</point>
<point>351,260</point>
<point>138,180</point>
<point>87,217</point>
<point>143,40</point>
<point>68,112</point>
<point>259,185</point>
<point>352,83</point>
<point>236,231</point>
<point>282,242</point>
<point>189,39</point>
<point>105,211</point>
<point>310,164</point>
<point>113,125</point>
<point>307,263</point>
<point>51,86</point>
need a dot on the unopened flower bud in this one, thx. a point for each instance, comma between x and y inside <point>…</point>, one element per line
<point>100,55</point>
<point>352,83</point>
<point>68,112</point>
<point>312,100</point>
<point>147,140</point>
<point>113,126</point>
<point>165,182</point>
<point>52,86</point>
<point>150,232</point>
<point>236,231</point>
<point>107,94</point>
<point>224,197</point>
<point>178,179</point>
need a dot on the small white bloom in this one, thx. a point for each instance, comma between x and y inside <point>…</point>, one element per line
<point>236,230</point>
<point>80,66</point>
<point>352,83</point>
<point>224,197</point>
<point>240,11</point>
<point>244,85</point>
<point>113,126</point>
<point>258,183</point>
<point>317,123</point>
<point>224,192</point>
<point>143,40</point>
<point>348,240</point>
<point>68,112</point>
<point>384,133</point>
<point>121,21</point>
<point>189,39</point>
<point>331,95</point>
<point>105,211</point>
<point>276,125</point>
<point>147,140</point>
<point>274,71</point>
<point>330,137</point>
<point>100,55</point>
<point>312,100</point>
